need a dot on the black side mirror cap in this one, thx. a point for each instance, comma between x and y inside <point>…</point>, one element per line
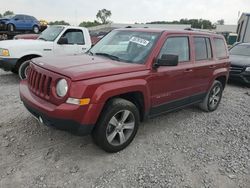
<point>63,40</point>
<point>167,60</point>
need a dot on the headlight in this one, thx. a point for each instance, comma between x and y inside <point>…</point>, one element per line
<point>247,69</point>
<point>4,52</point>
<point>62,88</point>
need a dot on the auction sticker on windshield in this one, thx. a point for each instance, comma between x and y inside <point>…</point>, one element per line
<point>140,41</point>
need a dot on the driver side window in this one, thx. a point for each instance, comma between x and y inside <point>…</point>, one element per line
<point>176,46</point>
<point>74,36</point>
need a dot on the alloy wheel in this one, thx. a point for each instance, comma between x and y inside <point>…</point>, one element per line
<point>120,127</point>
<point>215,97</point>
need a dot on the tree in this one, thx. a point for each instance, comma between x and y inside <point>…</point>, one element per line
<point>89,24</point>
<point>220,22</point>
<point>1,16</point>
<point>195,23</point>
<point>8,12</point>
<point>62,22</point>
<point>103,15</point>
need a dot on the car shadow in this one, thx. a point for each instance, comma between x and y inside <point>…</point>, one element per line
<point>237,83</point>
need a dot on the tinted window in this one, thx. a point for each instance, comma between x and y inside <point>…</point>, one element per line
<point>27,18</point>
<point>176,46</point>
<point>74,36</point>
<point>220,48</point>
<point>19,17</point>
<point>202,48</point>
<point>243,50</point>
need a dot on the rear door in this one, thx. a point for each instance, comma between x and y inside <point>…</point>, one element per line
<point>28,22</point>
<point>19,22</point>
<point>205,63</point>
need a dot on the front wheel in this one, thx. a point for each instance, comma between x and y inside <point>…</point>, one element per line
<point>23,70</point>
<point>213,98</point>
<point>11,28</point>
<point>117,125</point>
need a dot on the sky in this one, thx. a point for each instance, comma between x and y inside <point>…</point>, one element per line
<point>130,11</point>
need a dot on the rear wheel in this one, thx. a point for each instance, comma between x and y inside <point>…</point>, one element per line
<point>213,98</point>
<point>36,29</point>
<point>23,70</point>
<point>117,125</point>
<point>11,28</point>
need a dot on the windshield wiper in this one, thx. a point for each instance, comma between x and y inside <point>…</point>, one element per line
<point>42,39</point>
<point>91,53</point>
<point>113,57</point>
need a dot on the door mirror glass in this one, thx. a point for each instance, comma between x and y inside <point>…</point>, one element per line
<point>63,40</point>
<point>167,60</point>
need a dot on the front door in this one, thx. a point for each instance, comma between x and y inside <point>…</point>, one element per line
<point>76,43</point>
<point>172,87</point>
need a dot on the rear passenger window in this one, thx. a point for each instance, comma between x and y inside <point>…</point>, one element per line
<point>220,48</point>
<point>176,46</point>
<point>202,48</point>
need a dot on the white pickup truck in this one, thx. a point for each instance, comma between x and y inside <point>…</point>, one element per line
<point>55,40</point>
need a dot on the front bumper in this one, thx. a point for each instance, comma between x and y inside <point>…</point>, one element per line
<point>8,64</point>
<point>63,117</point>
<point>242,77</point>
<point>3,26</point>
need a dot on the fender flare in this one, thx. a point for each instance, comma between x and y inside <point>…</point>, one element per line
<point>106,91</point>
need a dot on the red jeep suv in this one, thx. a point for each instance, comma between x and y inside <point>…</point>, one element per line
<point>130,75</point>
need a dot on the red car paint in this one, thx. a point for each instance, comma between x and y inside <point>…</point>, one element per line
<point>27,36</point>
<point>100,79</point>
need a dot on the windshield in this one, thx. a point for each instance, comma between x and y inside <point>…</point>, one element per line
<point>128,46</point>
<point>9,16</point>
<point>241,50</point>
<point>51,33</point>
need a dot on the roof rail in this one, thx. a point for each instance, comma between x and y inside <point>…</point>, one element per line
<point>199,30</point>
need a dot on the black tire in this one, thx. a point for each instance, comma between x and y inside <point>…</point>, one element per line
<point>23,70</point>
<point>36,29</point>
<point>11,27</point>
<point>103,126</point>
<point>208,103</point>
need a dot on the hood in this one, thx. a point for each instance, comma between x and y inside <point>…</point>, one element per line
<point>238,60</point>
<point>4,19</point>
<point>7,44</point>
<point>83,67</point>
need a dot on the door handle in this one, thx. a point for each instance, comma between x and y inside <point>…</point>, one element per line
<point>188,70</point>
<point>212,66</point>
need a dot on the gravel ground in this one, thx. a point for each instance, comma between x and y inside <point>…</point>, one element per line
<point>188,148</point>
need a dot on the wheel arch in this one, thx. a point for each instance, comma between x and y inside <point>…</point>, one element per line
<point>222,79</point>
<point>25,58</point>
<point>135,91</point>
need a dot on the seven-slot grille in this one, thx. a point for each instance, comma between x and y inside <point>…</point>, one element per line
<point>236,69</point>
<point>39,83</point>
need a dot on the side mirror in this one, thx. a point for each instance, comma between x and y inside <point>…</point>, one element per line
<point>167,60</point>
<point>63,40</point>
